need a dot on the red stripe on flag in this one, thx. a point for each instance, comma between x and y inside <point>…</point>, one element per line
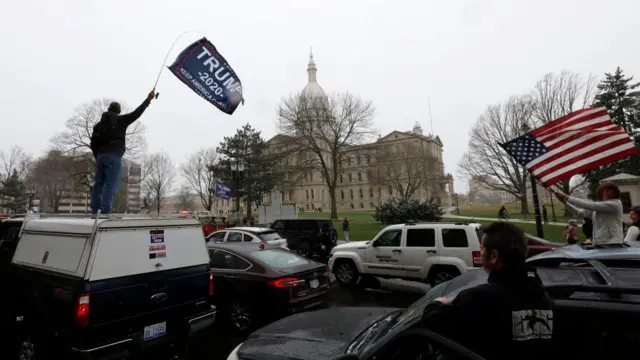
<point>586,167</point>
<point>577,147</point>
<point>589,128</point>
<point>567,163</point>
<point>559,123</point>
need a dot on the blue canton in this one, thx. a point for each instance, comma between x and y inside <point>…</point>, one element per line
<point>525,148</point>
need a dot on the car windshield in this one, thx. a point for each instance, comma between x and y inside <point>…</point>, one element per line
<point>269,236</point>
<point>280,259</point>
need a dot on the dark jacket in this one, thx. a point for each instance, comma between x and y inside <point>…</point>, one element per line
<point>109,133</point>
<point>510,317</point>
<point>345,225</point>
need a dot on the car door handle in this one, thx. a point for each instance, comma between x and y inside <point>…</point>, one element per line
<point>431,252</point>
<point>399,251</point>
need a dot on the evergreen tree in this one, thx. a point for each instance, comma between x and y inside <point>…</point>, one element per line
<point>260,173</point>
<point>14,190</point>
<point>618,94</point>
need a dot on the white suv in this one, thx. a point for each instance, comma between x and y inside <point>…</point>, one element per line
<point>428,252</point>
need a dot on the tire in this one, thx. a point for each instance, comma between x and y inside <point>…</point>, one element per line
<point>305,249</point>
<point>346,272</point>
<point>241,316</point>
<point>441,274</point>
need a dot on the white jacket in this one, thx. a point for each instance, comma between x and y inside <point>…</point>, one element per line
<point>606,216</point>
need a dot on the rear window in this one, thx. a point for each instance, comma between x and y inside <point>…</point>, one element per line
<point>325,224</point>
<point>454,238</point>
<point>280,259</point>
<point>269,236</point>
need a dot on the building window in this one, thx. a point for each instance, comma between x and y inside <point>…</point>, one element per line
<point>361,206</point>
<point>341,179</point>
<point>312,195</point>
<point>368,159</point>
<point>350,177</point>
<point>359,176</point>
<point>361,194</point>
<point>349,163</point>
<point>353,207</point>
<point>342,194</point>
<point>625,198</point>
<point>390,190</point>
<point>351,193</point>
<point>358,159</point>
<point>370,192</point>
<point>307,194</point>
<point>371,205</point>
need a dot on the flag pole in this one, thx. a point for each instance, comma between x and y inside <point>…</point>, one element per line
<point>167,56</point>
<point>536,206</point>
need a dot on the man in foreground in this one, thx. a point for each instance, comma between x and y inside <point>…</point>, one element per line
<point>108,147</point>
<point>510,317</point>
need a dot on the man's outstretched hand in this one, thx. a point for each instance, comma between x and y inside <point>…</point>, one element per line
<point>151,95</point>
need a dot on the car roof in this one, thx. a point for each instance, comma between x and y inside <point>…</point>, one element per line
<point>251,229</point>
<point>239,247</point>
<point>578,252</point>
<point>430,225</point>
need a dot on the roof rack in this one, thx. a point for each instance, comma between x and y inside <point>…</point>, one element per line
<point>440,222</point>
<point>113,216</point>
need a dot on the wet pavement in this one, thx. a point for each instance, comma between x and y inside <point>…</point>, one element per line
<point>217,343</point>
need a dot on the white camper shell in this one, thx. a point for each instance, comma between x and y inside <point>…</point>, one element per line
<point>111,246</point>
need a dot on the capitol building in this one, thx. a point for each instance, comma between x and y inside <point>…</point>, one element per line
<point>360,186</point>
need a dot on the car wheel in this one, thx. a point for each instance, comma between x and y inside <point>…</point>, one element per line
<point>304,249</point>
<point>346,272</point>
<point>442,275</point>
<point>241,316</point>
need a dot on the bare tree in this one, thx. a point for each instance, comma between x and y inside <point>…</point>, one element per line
<point>49,179</point>
<point>557,95</point>
<point>324,131</point>
<point>185,198</point>
<point>159,182</point>
<point>403,167</point>
<point>486,162</point>
<point>202,181</point>
<point>75,140</point>
<point>16,159</point>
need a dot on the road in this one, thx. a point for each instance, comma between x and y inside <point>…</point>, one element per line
<point>216,344</point>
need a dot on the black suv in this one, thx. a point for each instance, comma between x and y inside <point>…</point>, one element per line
<point>308,236</point>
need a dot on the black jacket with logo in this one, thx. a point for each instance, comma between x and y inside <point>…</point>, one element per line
<point>109,133</point>
<point>510,317</point>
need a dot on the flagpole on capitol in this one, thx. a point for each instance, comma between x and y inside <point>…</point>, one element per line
<point>534,195</point>
<point>167,57</point>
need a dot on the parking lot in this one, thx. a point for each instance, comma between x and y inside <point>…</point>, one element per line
<point>216,343</point>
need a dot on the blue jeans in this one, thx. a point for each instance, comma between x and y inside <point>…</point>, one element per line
<point>108,169</point>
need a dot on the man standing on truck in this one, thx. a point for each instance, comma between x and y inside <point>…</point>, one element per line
<point>513,309</point>
<point>108,147</point>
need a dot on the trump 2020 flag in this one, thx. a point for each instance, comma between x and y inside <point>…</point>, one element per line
<point>570,145</point>
<point>201,67</point>
<point>223,190</point>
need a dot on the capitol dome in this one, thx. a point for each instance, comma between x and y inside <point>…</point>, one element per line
<point>313,89</point>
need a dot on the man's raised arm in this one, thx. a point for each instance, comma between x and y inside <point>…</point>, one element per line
<point>128,119</point>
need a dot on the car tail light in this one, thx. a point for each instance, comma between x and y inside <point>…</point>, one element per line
<point>82,309</point>
<point>477,258</point>
<point>210,283</point>
<point>327,272</point>
<point>288,282</point>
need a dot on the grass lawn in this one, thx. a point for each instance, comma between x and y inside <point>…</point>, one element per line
<point>491,211</point>
<point>364,227</point>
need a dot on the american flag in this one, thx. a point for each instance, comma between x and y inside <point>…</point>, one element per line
<point>570,145</point>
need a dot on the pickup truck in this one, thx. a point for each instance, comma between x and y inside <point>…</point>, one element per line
<point>109,287</point>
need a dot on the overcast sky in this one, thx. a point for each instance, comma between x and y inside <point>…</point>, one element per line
<point>56,55</point>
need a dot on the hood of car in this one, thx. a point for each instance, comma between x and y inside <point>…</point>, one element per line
<point>321,334</point>
<point>352,245</point>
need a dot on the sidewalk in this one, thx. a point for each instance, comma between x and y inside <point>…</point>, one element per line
<point>448,214</point>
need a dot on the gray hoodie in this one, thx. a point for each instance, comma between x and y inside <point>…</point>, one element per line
<point>606,216</point>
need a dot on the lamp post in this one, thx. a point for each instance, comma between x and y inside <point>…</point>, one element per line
<point>237,167</point>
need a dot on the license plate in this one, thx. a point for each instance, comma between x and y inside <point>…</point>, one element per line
<point>155,330</point>
<point>314,284</point>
